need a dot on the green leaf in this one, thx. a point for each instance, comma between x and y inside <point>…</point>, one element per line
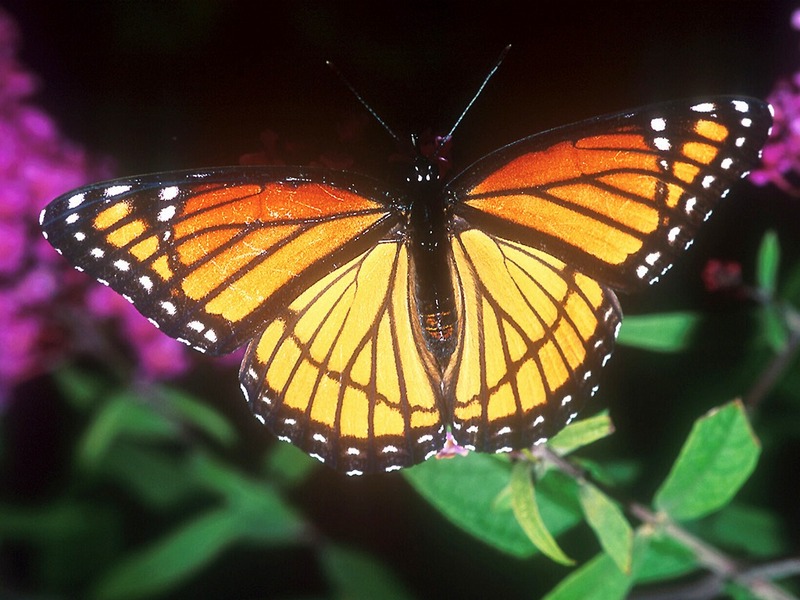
<point>610,473</point>
<point>767,263</point>
<point>123,415</point>
<point>598,579</point>
<point>266,516</point>
<point>191,410</point>
<point>557,497</point>
<point>473,493</point>
<point>81,389</point>
<point>526,511</point>
<point>663,332</point>
<point>157,478</point>
<point>357,575</point>
<point>746,530</point>
<point>288,465</point>
<point>772,321</point>
<point>465,489</point>
<point>172,559</point>
<point>582,433</point>
<point>662,558</point>
<point>253,512</point>
<point>609,524</point>
<point>717,458</point>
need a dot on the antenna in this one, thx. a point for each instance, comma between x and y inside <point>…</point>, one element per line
<point>363,102</point>
<point>383,123</point>
<point>486,79</point>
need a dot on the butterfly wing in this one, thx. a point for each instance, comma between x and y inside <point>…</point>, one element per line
<point>617,196</point>
<point>210,256</point>
<point>342,374</point>
<point>535,334</point>
<point>544,225</point>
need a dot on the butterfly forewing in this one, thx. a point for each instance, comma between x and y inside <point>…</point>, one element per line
<point>617,197</point>
<point>209,256</point>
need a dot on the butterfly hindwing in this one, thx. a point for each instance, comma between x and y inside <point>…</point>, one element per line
<point>208,256</point>
<point>340,372</point>
<point>616,196</point>
<point>535,335</point>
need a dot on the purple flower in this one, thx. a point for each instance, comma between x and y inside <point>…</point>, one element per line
<point>451,448</point>
<point>12,243</point>
<point>39,291</point>
<point>781,157</point>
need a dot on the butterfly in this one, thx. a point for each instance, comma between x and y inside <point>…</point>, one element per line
<point>379,319</point>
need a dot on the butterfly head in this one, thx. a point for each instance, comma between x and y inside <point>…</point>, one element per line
<point>423,172</point>
<point>435,148</point>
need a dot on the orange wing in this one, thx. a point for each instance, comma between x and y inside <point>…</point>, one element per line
<point>616,197</point>
<point>210,256</point>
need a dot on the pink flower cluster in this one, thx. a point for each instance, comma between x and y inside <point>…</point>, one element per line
<point>781,158</point>
<point>37,287</point>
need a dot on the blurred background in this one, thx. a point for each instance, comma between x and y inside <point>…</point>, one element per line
<point>135,87</point>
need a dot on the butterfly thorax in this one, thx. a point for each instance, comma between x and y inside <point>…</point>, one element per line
<point>428,246</point>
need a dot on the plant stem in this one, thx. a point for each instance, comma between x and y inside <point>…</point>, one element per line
<point>723,567</point>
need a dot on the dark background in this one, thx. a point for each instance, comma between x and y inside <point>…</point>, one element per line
<point>182,84</point>
<point>187,83</point>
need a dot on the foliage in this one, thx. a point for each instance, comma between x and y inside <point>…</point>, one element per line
<point>170,456</point>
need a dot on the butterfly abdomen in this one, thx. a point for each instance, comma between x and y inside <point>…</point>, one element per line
<point>428,239</point>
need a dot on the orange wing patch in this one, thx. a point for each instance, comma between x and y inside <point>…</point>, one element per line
<point>596,195</point>
<point>228,253</point>
<point>621,202</point>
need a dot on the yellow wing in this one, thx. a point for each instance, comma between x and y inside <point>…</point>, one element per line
<point>341,373</point>
<point>535,334</point>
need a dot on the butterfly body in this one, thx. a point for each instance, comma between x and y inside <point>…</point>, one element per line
<point>428,242</point>
<point>378,319</point>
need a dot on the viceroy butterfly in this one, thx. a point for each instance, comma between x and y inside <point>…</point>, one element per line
<point>380,318</point>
